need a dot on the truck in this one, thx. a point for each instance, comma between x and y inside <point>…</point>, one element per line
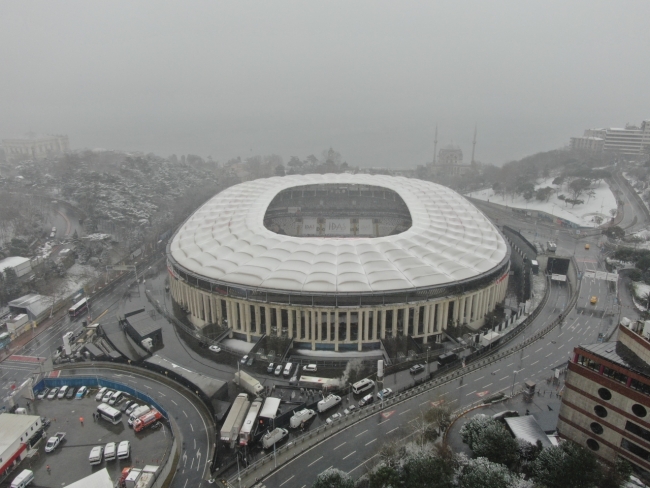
<point>146,420</point>
<point>328,402</point>
<point>54,441</point>
<point>231,426</point>
<point>247,430</point>
<point>273,437</point>
<point>137,413</point>
<point>248,383</point>
<point>445,359</point>
<point>300,417</point>
<point>322,383</point>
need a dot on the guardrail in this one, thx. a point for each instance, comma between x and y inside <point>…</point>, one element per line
<point>312,438</point>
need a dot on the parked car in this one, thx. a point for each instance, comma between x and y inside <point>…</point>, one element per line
<point>334,418</point>
<point>70,393</point>
<point>131,408</point>
<point>416,368</point>
<point>52,394</point>
<point>310,368</point>
<point>278,370</point>
<point>43,393</point>
<point>54,441</point>
<point>81,392</point>
<point>366,400</point>
<point>350,409</point>
<point>215,348</point>
<point>270,368</point>
<point>124,450</point>
<point>244,359</point>
<point>110,451</point>
<point>62,391</point>
<point>385,393</point>
<point>107,396</point>
<point>96,455</point>
<point>126,405</point>
<point>100,393</point>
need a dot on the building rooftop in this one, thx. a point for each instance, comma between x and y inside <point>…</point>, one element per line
<point>12,262</point>
<point>34,304</point>
<point>143,323</point>
<point>99,479</point>
<point>527,429</point>
<point>12,427</point>
<point>620,354</point>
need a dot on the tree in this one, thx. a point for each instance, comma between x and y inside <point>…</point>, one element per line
<point>496,444</point>
<point>12,285</point>
<point>279,170</point>
<point>616,476</point>
<point>481,473</point>
<point>567,465</point>
<point>18,247</point>
<point>578,186</point>
<point>439,417</point>
<point>384,475</point>
<point>558,181</point>
<point>428,472</point>
<point>333,478</point>
<point>615,232</point>
<point>543,194</point>
<point>472,429</point>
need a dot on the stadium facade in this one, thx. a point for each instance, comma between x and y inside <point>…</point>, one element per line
<point>338,261</point>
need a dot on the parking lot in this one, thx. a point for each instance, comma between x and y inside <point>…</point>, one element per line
<point>69,461</point>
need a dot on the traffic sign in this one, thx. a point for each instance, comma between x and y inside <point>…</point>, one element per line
<point>388,414</point>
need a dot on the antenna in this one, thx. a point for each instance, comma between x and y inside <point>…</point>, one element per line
<point>474,144</point>
<point>435,145</point>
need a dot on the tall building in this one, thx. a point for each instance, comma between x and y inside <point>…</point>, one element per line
<point>35,148</point>
<point>450,161</point>
<point>631,141</point>
<point>607,397</point>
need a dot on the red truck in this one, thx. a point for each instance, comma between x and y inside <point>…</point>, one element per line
<point>147,419</point>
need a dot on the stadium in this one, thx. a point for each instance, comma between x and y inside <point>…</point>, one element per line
<point>338,261</point>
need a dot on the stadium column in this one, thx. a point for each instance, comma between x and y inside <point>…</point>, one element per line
<point>416,319</point>
<point>267,320</point>
<point>318,324</point>
<point>454,318</point>
<point>375,317</point>
<point>425,322</point>
<point>439,318</point>
<point>246,319</point>
<point>336,329</point>
<point>235,315</point>
<point>290,320</point>
<point>313,329</point>
<point>406,321</point>
<point>278,321</point>
<point>445,315</point>
<point>383,323</point>
<point>229,318</point>
<point>432,318</point>
<point>258,329</point>
<point>360,327</point>
<point>366,324</point>
<point>347,323</point>
<point>328,324</point>
<point>461,311</point>
<point>395,311</point>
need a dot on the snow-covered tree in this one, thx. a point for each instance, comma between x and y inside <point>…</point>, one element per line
<point>496,444</point>
<point>333,478</point>
<point>481,473</point>
<point>567,465</point>
<point>471,430</point>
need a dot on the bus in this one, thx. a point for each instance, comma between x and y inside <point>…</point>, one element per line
<point>248,429</point>
<point>78,308</point>
<point>109,413</point>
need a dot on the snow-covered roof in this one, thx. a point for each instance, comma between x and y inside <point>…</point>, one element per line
<point>450,240</point>
<point>12,262</point>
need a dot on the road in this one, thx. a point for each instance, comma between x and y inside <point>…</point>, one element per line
<point>194,462</point>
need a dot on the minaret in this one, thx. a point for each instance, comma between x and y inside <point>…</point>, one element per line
<point>435,145</point>
<point>474,145</point>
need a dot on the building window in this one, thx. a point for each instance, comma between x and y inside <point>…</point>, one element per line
<point>638,386</point>
<point>604,393</point>
<point>600,411</point>
<point>639,410</point>
<point>615,375</point>
<point>636,450</point>
<point>637,430</point>
<point>593,445</point>
<point>596,428</point>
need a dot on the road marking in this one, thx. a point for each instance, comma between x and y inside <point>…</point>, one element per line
<point>354,469</point>
<point>525,356</point>
<point>371,441</point>
<point>314,462</point>
<point>487,385</point>
<point>540,349</point>
<point>405,411</point>
<point>563,345</point>
<point>510,364</point>
<point>361,433</point>
<point>534,363</point>
<point>185,414</point>
<point>496,370</point>
<point>561,334</point>
<point>346,456</point>
<point>160,393</point>
<point>288,480</point>
<point>388,431</point>
<point>471,393</point>
<point>147,386</point>
<point>504,378</point>
<point>175,403</point>
<point>549,354</point>
<point>192,427</point>
<point>384,421</point>
<point>338,446</point>
<point>479,379</point>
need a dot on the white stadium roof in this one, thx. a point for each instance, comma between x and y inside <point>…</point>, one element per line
<point>225,240</point>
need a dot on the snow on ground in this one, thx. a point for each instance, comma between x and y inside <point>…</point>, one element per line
<point>582,214</point>
<point>238,345</point>
<point>77,276</point>
<point>637,187</point>
<point>641,290</point>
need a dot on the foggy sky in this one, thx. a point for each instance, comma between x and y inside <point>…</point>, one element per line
<point>370,79</point>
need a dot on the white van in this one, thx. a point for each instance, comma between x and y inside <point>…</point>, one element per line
<point>310,368</point>
<point>287,370</point>
<point>362,385</point>
<point>137,413</point>
<point>115,398</point>
<point>110,451</point>
<point>328,402</point>
<point>300,417</point>
<point>124,450</point>
<point>24,478</point>
<point>62,391</point>
<point>96,454</point>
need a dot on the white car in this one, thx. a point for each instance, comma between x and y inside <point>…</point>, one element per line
<point>96,455</point>
<point>244,359</point>
<point>107,396</point>
<point>52,394</point>
<point>124,450</point>
<point>310,368</point>
<point>131,408</point>
<point>100,393</point>
<point>334,418</point>
<point>385,393</point>
<point>350,409</point>
<point>110,451</point>
<point>215,348</point>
